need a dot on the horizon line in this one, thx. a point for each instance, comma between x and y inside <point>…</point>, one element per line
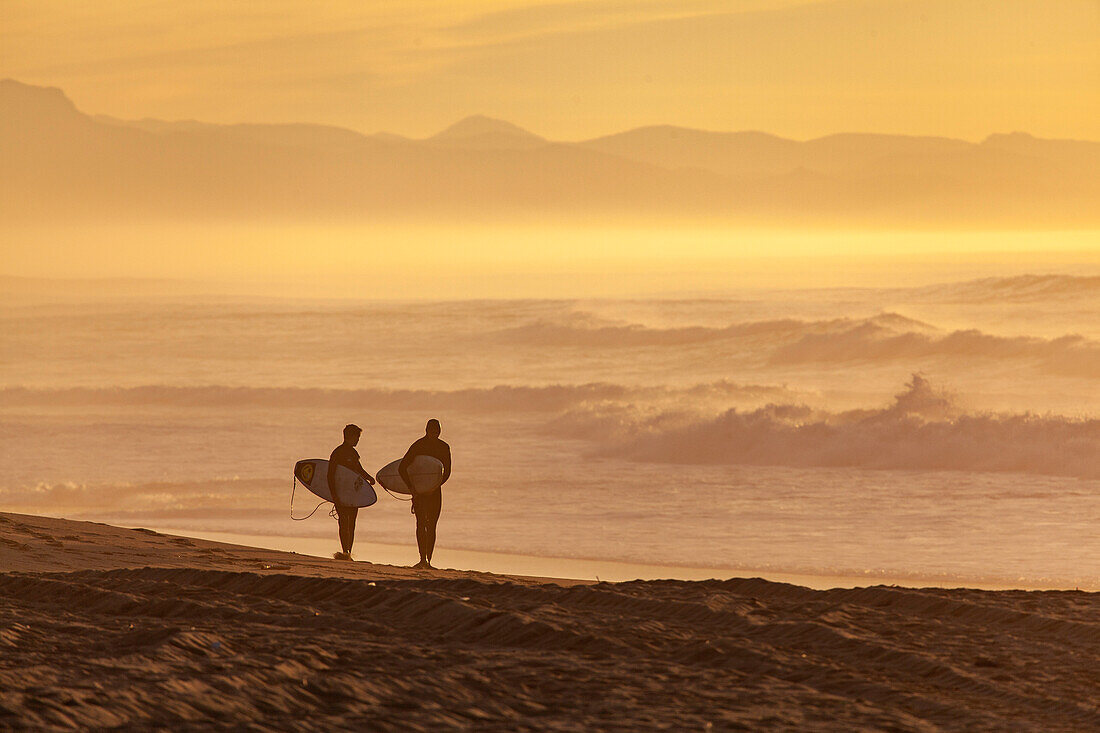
<point>104,116</point>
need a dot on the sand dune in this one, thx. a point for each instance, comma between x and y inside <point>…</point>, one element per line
<point>103,627</point>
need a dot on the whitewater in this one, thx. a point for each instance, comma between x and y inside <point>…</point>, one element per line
<point>947,433</point>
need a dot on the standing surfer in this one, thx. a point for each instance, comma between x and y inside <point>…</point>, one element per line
<point>346,455</point>
<point>427,506</point>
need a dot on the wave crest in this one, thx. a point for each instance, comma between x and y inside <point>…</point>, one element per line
<point>1018,289</point>
<point>922,429</point>
<point>584,333</point>
<point>885,337</point>
<point>548,398</point>
<point>1071,355</point>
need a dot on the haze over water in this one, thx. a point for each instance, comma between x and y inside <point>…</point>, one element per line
<point>764,337</point>
<point>790,287</point>
<point>944,432</point>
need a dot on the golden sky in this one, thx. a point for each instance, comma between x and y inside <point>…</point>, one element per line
<point>571,70</point>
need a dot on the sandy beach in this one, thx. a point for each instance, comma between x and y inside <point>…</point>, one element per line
<point>105,627</point>
<point>550,366</point>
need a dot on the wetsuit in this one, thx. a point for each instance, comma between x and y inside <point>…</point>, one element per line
<point>427,506</point>
<point>344,455</point>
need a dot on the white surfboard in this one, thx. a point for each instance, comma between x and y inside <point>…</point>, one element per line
<point>426,474</point>
<point>351,488</point>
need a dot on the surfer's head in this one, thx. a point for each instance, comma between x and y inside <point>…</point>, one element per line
<point>352,433</point>
<point>432,429</point>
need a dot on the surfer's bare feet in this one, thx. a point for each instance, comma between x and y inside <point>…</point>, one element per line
<point>422,565</point>
<point>341,556</point>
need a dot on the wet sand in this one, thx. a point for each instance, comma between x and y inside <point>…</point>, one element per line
<point>108,627</point>
<point>568,568</point>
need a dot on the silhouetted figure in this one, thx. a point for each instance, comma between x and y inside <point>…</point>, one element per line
<point>346,455</point>
<point>427,506</point>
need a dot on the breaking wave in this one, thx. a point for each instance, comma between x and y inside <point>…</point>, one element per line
<point>552,333</point>
<point>883,337</point>
<point>550,398</point>
<point>922,429</point>
<point>214,495</point>
<point>1019,289</point>
<point>1068,355</point>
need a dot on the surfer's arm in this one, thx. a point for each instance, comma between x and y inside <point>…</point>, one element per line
<point>403,467</point>
<point>332,478</point>
<point>446,467</point>
<point>363,473</point>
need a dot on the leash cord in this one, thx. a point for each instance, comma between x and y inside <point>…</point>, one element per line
<point>395,496</point>
<point>293,488</point>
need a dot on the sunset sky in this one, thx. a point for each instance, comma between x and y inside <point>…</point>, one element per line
<point>571,70</point>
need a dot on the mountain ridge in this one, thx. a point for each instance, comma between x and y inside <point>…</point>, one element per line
<point>461,128</point>
<point>481,164</point>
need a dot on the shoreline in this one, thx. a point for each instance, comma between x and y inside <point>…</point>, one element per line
<point>513,565</point>
<point>593,570</point>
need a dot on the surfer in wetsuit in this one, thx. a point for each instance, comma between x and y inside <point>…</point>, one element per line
<point>346,455</point>
<point>427,506</point>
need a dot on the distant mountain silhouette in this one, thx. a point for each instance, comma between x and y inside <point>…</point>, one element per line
<point>738,154</point>
<point>297,135</point>
<point>485,133</point>
<point>23,104</point>
<point>60,163</point>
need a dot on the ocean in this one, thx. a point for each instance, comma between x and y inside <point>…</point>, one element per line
<point>946,433</point>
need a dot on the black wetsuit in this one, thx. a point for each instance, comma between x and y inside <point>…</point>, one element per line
<point>428,506</point>
<point>344,455</point>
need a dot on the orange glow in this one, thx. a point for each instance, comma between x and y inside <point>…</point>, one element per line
<point>573,70</point>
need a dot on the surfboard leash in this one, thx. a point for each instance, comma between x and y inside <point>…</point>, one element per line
<point>293,488</point>
<point>395,496</point>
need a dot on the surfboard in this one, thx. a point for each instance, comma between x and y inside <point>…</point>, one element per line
<point>351,488</point>
<point>426,474</point>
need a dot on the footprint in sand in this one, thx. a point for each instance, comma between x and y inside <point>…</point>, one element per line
<point>13,544</point>
<point>45,537</point>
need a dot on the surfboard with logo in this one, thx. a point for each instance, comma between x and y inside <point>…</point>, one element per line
<point>351,488</point>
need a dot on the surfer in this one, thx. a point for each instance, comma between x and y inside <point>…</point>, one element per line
<point>346,455</point>
<point>427,506</point>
